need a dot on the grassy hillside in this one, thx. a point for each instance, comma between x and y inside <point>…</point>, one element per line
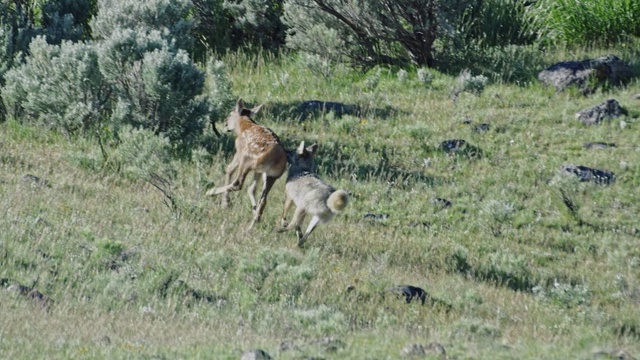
<point>121,273</point>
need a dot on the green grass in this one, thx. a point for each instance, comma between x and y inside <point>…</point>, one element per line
<point>130,277</point>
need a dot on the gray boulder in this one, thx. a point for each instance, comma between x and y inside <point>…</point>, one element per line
<point>432,351</point>
<point>607,110</point>
<point>599,145</point>
<point>584,173</point>
<point>257,354</point>
<point>607,68</point>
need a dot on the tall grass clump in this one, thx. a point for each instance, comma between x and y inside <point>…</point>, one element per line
<point>576,22</point>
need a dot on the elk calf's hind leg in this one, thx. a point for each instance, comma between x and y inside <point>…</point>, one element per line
<point>251,190</point>
<point>268,184</point>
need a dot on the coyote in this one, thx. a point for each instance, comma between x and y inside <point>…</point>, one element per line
<point>311,195</point>
<point>258,149</point>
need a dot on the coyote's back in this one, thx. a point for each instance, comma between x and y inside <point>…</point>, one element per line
<point>311,195</point>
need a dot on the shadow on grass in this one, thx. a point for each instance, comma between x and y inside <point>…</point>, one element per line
<point>333,162</point>
<point>494,275</point>
<point>299,111</point>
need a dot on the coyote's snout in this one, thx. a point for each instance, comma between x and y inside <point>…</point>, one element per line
<point>258,149</point>
<point>311,195</point>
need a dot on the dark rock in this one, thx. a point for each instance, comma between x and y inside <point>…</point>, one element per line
<point>584,173</point>
<point>20,289</point>
<point>482,128</point>
<point>608,110</point>
<point>453,145</point>
<point>257,354</point>
<point>607,68</point>
<point>410,293</point>
<point>599,145</point>
<point>460,147</point>
<point>413,350</point>
<point>35,181</point>
<point>104,341</point>
<point>425,224</point>
<point>429,350</point>
<point>442,202</point>
<point>287,345</point>
<point>330,344</point>
<point>376,217</point>
<point>614,354</point>
<point>43,300</point>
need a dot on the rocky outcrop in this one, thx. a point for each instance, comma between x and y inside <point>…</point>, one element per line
<point>587,74</point>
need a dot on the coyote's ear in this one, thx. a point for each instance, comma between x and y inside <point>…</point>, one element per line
<point>256,109</point>
<point>312,149</point>
<point>239,105</point>
<point>300,149</point>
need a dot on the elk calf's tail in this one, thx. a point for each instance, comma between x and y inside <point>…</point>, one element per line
<point>337,201</point>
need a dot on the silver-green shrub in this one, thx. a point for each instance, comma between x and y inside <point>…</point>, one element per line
<point>156,84</point>
<point>59,86</point>
<point>218,90</point>
<point>140,154</point>
<point>169,17</point>
<point>469,83</point>
<point>424,76</point>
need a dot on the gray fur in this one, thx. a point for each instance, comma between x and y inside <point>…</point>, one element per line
<point>311,195</point>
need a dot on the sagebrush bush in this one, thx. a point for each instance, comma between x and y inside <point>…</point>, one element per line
<point>470,83</point>
<point>60,86</point>
<point>142,155</point>
<point>156,84</point>
<point>168,17</point>
<point>218,90</point>
<point>424,76</point>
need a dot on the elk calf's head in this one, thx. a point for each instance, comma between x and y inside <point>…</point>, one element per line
<point>239,111</point>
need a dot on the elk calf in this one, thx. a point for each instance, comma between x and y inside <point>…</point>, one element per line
<point>311,195</point>
<point>258,149</point>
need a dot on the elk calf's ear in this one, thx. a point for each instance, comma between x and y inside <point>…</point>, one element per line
<point>239,105</point>
<point>256,109</point>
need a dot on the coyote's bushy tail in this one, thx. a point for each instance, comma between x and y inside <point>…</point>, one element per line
<point>337,201</point>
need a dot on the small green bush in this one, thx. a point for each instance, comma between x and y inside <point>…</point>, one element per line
<point>470,83</point>
<point>140,154</point>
